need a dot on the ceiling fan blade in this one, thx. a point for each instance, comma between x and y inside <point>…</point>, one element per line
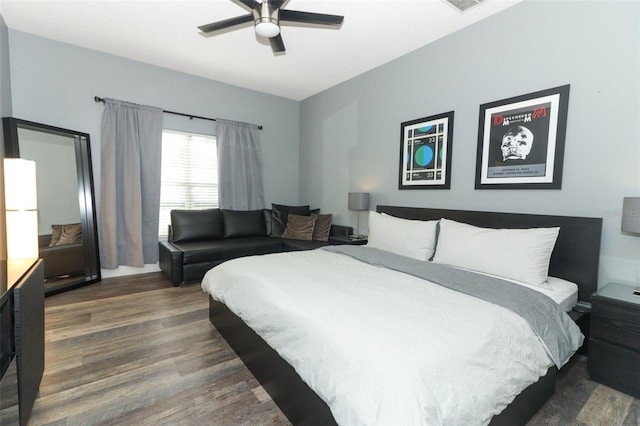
<point>277,45</point>
<point>227,23</point>
<point>277,3</point>
<point>249,3</point>
<point>310,18</point>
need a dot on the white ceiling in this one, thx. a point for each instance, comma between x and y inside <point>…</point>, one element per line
<point>164,33</point>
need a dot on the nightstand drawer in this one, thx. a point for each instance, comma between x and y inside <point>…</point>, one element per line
<point>615,367</point>
<point>615,331</point>
<point>627,315</point>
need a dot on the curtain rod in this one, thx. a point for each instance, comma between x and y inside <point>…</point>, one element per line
<point>191,116</point>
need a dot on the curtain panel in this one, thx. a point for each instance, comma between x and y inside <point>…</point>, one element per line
<point>240,181</point>
<point>131,149</point>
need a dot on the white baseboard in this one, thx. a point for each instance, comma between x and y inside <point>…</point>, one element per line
<point>129,270</point>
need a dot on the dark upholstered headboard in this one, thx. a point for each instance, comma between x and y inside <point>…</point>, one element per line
<point>576,254</point>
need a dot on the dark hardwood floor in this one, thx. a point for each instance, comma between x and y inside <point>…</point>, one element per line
<point>136,350</point>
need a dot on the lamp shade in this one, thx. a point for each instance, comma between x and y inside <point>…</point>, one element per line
<point>22,234</point>
<point>631,215</point>
<point>358,201</point>
<point>21,203</point>
<point>20,184</point>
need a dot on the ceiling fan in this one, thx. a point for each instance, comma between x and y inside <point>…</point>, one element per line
<point>267,15</point>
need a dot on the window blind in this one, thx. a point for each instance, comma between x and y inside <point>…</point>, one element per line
<point>189,177</point>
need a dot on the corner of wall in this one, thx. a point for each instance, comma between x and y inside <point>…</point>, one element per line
<point>5,110</point>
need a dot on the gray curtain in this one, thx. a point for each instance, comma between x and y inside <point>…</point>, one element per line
<point>239,166</point>
<point>130,159</point>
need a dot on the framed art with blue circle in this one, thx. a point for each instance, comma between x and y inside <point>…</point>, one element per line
<point>425,152</point>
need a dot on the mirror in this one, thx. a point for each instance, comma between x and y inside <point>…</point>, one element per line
<point>68,238</point>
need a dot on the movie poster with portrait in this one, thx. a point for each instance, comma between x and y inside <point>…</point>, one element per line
<point>521,141</point>
<point>425,152</point>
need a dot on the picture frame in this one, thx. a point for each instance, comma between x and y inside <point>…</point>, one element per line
<point>521,141</point>
<point>425,152</point>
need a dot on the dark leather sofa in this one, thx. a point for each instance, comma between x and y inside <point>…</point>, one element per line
<point>63,260</point>
<point>201,239</point>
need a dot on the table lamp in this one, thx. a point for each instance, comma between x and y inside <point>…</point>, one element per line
<point>21,208</point>
<point>358,201</point>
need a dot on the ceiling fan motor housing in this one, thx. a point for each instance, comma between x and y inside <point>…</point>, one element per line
<point>266,19</point>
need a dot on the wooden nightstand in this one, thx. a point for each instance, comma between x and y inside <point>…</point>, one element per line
<point>614,343</point>
<point>342,240</point>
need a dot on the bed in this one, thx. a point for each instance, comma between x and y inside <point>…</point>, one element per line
<point>574,258</point>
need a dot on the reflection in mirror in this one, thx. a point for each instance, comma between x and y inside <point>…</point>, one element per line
<point>66,216</point>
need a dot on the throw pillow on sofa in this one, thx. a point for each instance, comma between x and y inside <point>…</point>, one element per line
<point>69,233</point>
<point>322,227</point>
<point>56,231</point>
<point>300,227</point>
<point>243,223</point>
<point>280,216</point>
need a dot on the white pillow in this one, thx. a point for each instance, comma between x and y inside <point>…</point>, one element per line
<point>411,238</point>
<point>517,254</point>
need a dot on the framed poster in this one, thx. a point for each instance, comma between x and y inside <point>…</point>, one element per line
<point>521,141</point>
<point>425,152</point>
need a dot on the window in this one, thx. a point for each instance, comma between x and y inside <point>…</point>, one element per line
<point>189,175</point>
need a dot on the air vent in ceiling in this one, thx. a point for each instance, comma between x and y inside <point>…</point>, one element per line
<point>463,5</point>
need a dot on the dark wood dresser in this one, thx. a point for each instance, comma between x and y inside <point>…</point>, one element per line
<point>614,343</point>
<point>22,338</point>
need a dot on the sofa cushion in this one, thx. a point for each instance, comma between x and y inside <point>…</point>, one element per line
<point>225,249</point>
<point>65,259</point>
<point>70,233</point>
<point>281,214</point>
<point>243,223</point>
<point>267,215</point>
<point>322,227</point>
<point>44,240</point>
<point>298,245</point>
<point>300,227</point>
<point>196,225</point>
<point>56,232</point>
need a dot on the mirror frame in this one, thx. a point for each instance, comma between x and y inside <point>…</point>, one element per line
<point>86,193</point>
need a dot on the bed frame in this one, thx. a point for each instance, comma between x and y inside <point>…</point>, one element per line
<point>575,258</point>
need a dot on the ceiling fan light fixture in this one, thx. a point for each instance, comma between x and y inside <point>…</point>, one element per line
<point>267,29</point>
<point>267,15</point>
<point>266,20</point>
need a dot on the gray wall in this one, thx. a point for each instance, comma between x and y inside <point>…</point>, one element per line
<point>5,75</point>
<point>350,133</point>
<point>5,109</point>
<point>54,83</point>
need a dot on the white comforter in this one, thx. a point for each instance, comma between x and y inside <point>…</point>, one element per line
<point>378,346</point>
